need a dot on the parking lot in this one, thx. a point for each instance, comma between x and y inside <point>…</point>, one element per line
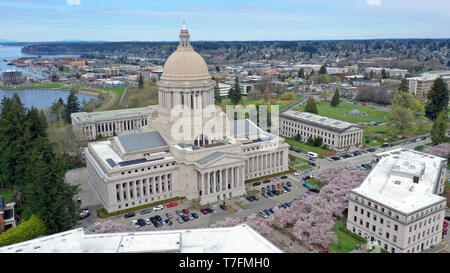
<point>209,219</point>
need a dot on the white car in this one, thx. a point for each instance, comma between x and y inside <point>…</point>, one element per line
<point>135,223</point>
<point>275,179</point>
<point>159,207</point>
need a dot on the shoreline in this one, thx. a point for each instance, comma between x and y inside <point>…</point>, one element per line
<point>90,93</point>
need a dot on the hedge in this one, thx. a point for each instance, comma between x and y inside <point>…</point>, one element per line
<point>353,235</point>
<point>27,230</point>
<point>103,213</point>
<point>270,175</point>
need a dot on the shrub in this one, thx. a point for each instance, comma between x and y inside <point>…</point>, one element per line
<point>103,213</point>
<point>27,230</point>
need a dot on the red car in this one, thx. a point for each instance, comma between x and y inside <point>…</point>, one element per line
<point>185,211</point>
<point>173,204</point>
<point>85,213</point>
<point>223,207</point>
<point>204,211</point>
<point>364,104</point>
<point>279,186</point>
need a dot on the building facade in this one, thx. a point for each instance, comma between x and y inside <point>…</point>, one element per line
<point>88,126</point>
<point>190,149</point>
<point>420,86</point>
<point>397,207</point>
<point>337,134</point>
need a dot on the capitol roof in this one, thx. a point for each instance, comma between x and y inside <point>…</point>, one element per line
<point>185,63</point>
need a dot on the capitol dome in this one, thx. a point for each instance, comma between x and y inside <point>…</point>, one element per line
<point>185,64</point>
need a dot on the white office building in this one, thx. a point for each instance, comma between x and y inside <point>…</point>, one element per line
<point>398,206</point>
<point>337,134</point>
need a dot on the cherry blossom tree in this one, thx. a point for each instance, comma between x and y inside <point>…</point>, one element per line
<point>442,150</point>
<point>112,227</point>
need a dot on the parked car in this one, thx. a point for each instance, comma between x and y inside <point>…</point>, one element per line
<point>447,218</point>
<point>256,184</point>
<point>263,214</point>
<point>274,188</point>
<point>356,153</point>
<point>284,177</point>
<point>268,188</point>
<point>255,198</point>
<point>141,222</point>
<point>185,218</point>
<point>270,193</point>
<point>249,199</point>
<point>275,179</point>
<point>289,184</point>
<point>204,211</point>
<point>223,207</point>
<point>306,185</point>
<point>371,150</point>
<point>85,213</point>
<point>263,190</point>
<point>279,186</point>
<point>158,207</point>
<point>179,212</point>
<point>386,144</point>
<point>195,215</point>
<point>129,214</point>
<point>173,204</point>
<point>266,181</point>
<point>180,220</point>
<point>312,159</point>
<point>283,184</point>
<point>306,177</point>
<point>185,211</point>
<point>145,211</point>
<point>169,215</point>
<point>314,190</point>
<point>158,218</point>
<point>147,221</point>
<point>287,189</point>
<point>169,222</point>
<point>424,138</point>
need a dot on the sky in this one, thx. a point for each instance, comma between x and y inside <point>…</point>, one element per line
<point>226,20</point>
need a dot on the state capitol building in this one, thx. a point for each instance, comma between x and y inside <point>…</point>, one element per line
<point>183,147</point>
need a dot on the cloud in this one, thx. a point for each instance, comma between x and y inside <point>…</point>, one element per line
<point>373,2</point>
<point>73,2</point>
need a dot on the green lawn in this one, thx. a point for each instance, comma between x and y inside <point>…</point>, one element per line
<point>6,194</point>
<point>303,167</point>
<point>340,112</point>
<point>345,242</point>
<point>305,147</point>
<point>316,183</point>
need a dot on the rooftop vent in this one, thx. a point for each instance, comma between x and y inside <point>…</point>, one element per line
<point>397,182</point>
<point>411,188</point>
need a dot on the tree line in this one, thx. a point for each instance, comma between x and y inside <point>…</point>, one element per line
<point>29,166</point>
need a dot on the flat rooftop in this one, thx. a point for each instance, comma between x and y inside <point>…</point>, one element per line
<point>391,181</point>
<point>114,114</point>
<point>237,239</point>
<point>320,120</point>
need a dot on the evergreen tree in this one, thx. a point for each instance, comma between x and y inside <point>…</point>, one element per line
<point>141,81</point>
<point>437,99</point>
<point>46,193</point>
<point>301,73</point>
<point>37,123</point>
<point>335,100</point>
<point>323,70</point>
<point>440,127</point>
<point>14,141</point>
<point>311,106</point>
<point>72,106</point>
<point>403,86</point>
<point>235,92</point>
<point>217,96</point>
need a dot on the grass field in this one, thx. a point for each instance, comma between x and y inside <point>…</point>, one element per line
<point>316,183</point>
<point>340,112</point>
<point>345,242</point>
<point>305,147</point>
<point>302,167</point>
<point>6,194</point>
